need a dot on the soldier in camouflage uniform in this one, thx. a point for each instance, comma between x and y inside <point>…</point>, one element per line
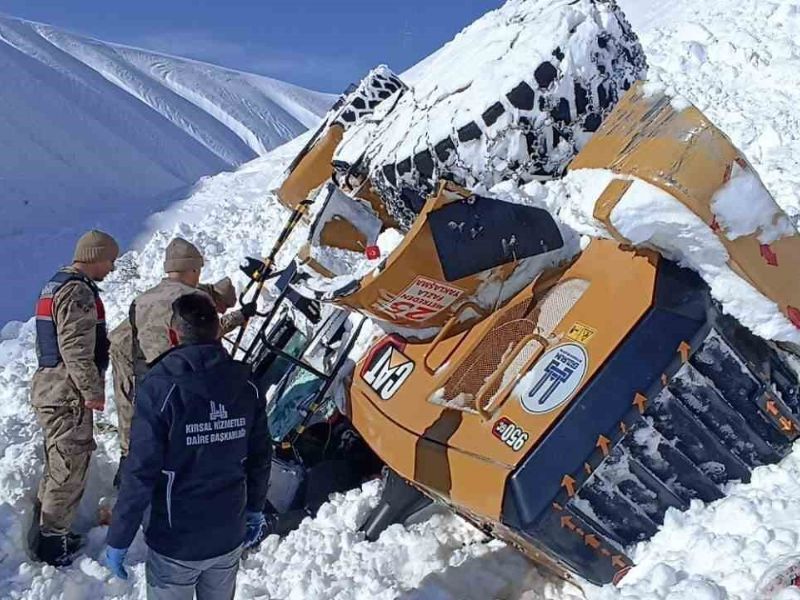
<point>72,350</point>
<point>223,295</point>
<point>122,373</point>
<point>149,318</point>
<point>151,311</point>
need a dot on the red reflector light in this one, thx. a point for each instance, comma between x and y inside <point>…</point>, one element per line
<point>373,252</point>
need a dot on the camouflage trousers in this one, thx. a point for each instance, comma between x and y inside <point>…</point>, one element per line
<point>122,372</point>
<point>68,446</point>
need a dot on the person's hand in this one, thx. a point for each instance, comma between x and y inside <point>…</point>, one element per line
<point>98,404</point>
<point>249,309</point>
<point>256,528</point>
<point>115,557</point>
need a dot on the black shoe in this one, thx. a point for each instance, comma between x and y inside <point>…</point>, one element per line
<point>54,549</point>
<point>33,531</point>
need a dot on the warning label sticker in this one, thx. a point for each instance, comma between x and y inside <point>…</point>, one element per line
<point>581,333</point>
<point>421,300</point>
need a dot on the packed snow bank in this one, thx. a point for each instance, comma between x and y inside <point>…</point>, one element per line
<point>650,217</point>
<point>101,135</point>
<point>720,551</point>
<point>737,62</point>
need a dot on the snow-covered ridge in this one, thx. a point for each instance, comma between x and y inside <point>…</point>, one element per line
<point>94,134</point>
<point>262,112</point>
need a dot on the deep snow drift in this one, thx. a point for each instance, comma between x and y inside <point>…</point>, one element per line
<point>711,552</point>
<point>97,134</point>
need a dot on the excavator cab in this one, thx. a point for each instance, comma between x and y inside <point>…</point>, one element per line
<point>297,356</point>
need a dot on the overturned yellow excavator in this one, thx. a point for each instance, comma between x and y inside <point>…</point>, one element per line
<point>564,401</point>
<point>560,396</point>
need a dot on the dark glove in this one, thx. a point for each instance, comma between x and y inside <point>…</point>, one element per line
<point>115,557</point>
<point>256,528</point>
<point>310,308</point>
<point>249,309</point>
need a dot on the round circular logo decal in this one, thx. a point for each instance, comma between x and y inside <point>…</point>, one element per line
<point>553,379</point>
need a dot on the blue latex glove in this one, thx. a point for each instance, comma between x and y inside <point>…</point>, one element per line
<point>115,557</point>
<point>256,528</point>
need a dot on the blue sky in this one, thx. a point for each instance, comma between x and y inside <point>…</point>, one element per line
<point>321,44</point>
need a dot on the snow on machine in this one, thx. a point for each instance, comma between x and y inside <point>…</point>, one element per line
<point>559,395</point>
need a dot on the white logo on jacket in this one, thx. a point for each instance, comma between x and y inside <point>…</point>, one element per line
<point>217,411</point>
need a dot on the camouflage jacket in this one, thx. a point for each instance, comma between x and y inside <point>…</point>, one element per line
<point>121,338</point>
<point>76,319</point>
<point>150,315</point>
<point>153,312</point>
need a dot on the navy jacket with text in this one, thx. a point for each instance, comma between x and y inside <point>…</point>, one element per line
<point>200,456</point>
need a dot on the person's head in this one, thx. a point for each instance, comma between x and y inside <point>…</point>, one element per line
<point>95,254</point>
<point>183,262</point>
<point>194,321</point>
<point>224,295</point>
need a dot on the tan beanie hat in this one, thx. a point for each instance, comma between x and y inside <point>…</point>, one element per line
<point>95,246</point>
<point>182,256</point>
<point>225,291</point>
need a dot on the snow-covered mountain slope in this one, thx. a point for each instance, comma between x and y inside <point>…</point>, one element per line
<point>100,135</point>
<point>712,552</point>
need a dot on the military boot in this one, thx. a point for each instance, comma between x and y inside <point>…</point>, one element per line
<point>54,549</point>
<point>75,542</point>
<point>33,532</point>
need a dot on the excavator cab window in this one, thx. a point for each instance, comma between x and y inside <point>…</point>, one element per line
<point>295,356</point>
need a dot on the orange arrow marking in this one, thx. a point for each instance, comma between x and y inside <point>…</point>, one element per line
<point>640,400</point>
<point>569,484</point>
<point>768,255</point>
<point>603,443</point>
<point>592,541</point>
<point>684,350</point>
<point>727,176</point>
<point>772,408</point>
<point>568,523</point>
<point>618,561</point>
<point>794,315</point>
<point>786,424</point>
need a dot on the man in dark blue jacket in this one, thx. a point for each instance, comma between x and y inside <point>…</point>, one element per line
<point>199,459</point>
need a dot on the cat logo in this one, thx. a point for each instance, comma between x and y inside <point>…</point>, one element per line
<point>388,371</point>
